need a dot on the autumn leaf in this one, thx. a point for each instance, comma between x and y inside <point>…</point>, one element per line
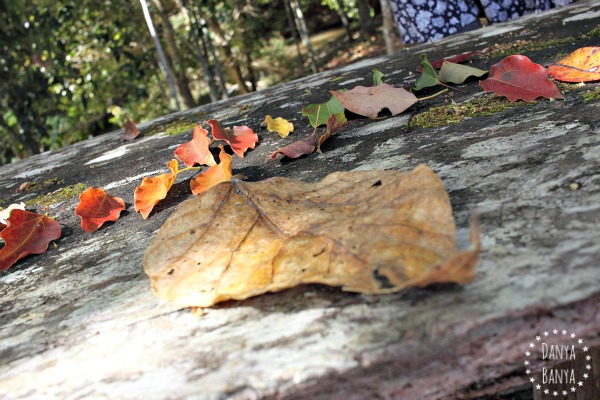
<point>437,64</point>
<point>377,77</point>
<point>366,231</point>
<point>282,126</point>
<point>5,213</point>
<point>457,73</point>
<point>96,207</point>
<point>428,76</point>
<point>517,78</point>
<point>582,65</point>
<point>318,114</point>
<point>197,150</point>
<point>154,189</point>
<point>241,138</point>
<point>311,143</point>
<point>130,131</point>
<point>27,233</point>
<point>214,175</point>
<point>369,101</point>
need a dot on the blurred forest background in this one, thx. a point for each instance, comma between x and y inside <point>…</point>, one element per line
<point>73,69</point>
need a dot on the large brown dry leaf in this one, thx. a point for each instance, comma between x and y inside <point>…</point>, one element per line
<point>366,231</point>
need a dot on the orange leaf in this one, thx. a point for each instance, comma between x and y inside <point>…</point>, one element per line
<point>154,189</point>
<point>96,207</point>
<point>196,151</point>
<point>130,131</point>
<point>240,139</point>
<point>214,175</point>
<point>27,233</point>
<point>582,65</point>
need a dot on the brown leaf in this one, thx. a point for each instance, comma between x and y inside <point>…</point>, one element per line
<point>369,101</point>
<point>311,143</point>
<point>130,131</point>
<point>366,231</point>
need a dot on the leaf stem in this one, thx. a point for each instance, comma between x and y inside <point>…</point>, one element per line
<point>188,169</point>
<point>433,95</point>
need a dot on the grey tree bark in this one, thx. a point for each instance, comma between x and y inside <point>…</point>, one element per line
<point>389,29</point>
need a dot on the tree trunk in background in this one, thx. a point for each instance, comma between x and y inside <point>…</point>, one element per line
<point>232,63</point>
<point>196,38</point>
<point>215,58</point>
<point>367,26</point>
<point>295,34</point>
<point>389,26</point>
<point>183,84</point>
<point>301,25</point>
<point>344,19</point>
<point>161,55</point>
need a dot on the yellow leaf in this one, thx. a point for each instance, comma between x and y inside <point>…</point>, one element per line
<point>282,126</point>
<point>366,231</point>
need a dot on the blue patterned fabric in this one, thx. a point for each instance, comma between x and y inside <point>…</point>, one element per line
<point>424,20</point>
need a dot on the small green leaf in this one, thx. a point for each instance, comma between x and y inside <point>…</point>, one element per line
<point>377,75</point>
<point>318,114</point>
<point>456,73</point>
<point>428,77</point>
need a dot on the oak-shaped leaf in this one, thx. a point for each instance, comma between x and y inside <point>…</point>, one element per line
<point>282,126</point>
<point>518,78</point>
<point>582,65</point>
<point>457,73</point>
<point>26,233</point>
<point>240,138</point>
<point>369,101</point>
<point>130,131</point>
<point>154,189</point>
<point>318,114</point>
<point>366,231</point>
<point>428,76</point>
<point>96,207</point>
<point>311,143</point>
<point>197,150</point>
<point>5,213</point>
<point>214,175</point>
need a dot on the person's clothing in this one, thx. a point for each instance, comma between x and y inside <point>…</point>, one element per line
<point>424,20</point>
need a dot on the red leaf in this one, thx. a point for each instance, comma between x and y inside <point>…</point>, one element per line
<point>240,139</point>
<point>27,233</point>
<point>196,151</point>
<point>96,207</point>
<point>130,130</point>
<point>456,59</point>
<point>516,77</point>
<point>369,101</point>
<point>214,175</point>
<point>2,226</point>
<point>154,189</point>
<point>311,143</point>
<point>582,65</point>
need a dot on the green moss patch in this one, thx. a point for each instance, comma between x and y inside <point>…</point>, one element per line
<point>59,195</point>
<point>174,127</point>
<point>455,113</point>
<point>524,47</point>
<point>591,95</point>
